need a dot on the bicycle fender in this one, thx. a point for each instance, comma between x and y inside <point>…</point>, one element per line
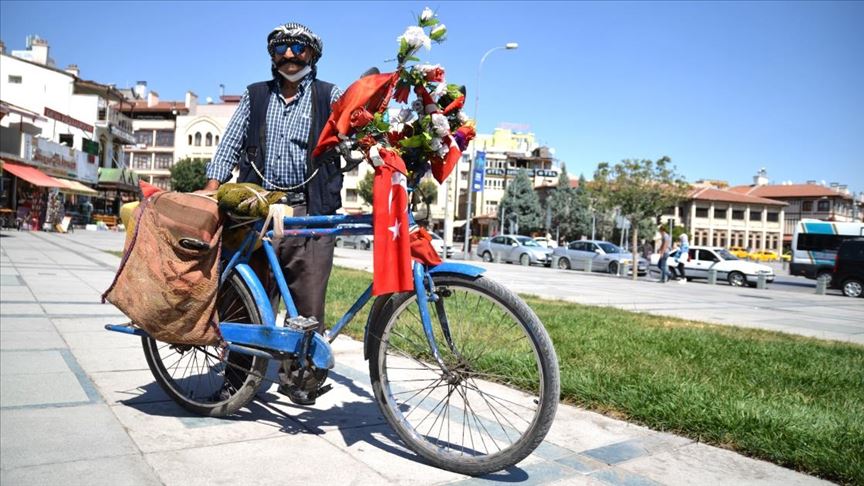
<point>457,268</point>
<point>259,295</point>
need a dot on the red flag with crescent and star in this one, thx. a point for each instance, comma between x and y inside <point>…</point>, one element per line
<point>392,249</point>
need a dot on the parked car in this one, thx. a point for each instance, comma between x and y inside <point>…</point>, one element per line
<point>729,267</point>
<point>764,256</point>
<point>849,268</point>
<point>438,244</point>
<point>604,256</point>
<point>546,242</point>
<point>513,248</point>
<point>739,252</point>
<point>363,242</point>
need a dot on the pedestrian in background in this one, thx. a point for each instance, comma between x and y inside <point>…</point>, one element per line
<point>683,257</point>
<point>665,246</point>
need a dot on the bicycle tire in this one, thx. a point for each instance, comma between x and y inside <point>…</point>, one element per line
<point>203,384</point>
<point>536,370</point>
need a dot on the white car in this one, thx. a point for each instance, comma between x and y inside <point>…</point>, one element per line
<point>730,268</point>
<point>438,245</point>
<point>546,242</point>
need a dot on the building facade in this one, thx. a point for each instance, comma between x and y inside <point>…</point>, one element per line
<point>723,218</point>
<point>834,202</point>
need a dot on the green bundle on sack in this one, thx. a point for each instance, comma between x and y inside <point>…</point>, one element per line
<point>246,199</point>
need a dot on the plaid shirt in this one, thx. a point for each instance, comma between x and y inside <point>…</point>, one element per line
<point>287,144</point>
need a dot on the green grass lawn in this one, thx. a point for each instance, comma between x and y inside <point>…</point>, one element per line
<point>794,401</point>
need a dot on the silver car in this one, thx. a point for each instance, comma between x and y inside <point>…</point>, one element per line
<point>513,248</point>
<point>604,257</point>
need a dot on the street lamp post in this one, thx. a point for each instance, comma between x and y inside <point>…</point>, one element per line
<point>466,249</point>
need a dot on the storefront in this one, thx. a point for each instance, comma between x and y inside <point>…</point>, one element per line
<point>116,187</point>
<point>26,192</point>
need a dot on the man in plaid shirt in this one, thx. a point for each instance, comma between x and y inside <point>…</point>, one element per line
<point>271,137</point>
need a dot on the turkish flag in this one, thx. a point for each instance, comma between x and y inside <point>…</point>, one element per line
<point>392,252</point>
<point>422,249</point>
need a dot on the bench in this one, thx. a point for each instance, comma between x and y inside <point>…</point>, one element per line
<point>110,221</point>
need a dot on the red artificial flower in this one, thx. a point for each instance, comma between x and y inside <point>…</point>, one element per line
<point>402,91</point>
<point>455,105</point>
<point>435,75</point>
<point>360,117</point>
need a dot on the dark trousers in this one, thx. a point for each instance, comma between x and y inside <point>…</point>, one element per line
<point>306,264</point>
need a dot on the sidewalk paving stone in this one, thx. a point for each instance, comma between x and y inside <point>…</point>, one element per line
<point>129,470</point>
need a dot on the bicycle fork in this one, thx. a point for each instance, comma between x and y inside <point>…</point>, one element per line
<point>421,277</point>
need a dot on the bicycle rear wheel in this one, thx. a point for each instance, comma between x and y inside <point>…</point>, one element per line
<point>195,376</point>
<point>498,400</point>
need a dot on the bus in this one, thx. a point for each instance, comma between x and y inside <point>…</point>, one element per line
<point>815,244</point>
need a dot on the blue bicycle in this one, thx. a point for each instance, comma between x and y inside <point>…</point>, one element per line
<point>462,369</point>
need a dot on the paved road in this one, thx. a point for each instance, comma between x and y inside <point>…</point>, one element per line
<point>79,405</point>
<point>776,308</point>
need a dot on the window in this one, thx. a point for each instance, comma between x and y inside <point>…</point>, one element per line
<point>707,256</point>
<point>208,140</point>
<point>755,215</point>
<point>701,212</point>
<point>67,139</point>
<point>197,139</point>
<point>13,79</point>
<point>738,214</point>
<point>824,205</point>
<point>773,217</point>
<point>217,139</point>
<point>163,161</point>
<point>720,213</point>
<point>807,206</point>
<point>499,240</point>
<point>144,137</point>
<point>350,195</point>
<point>818,242</point>
<point>141,161</point>
<point>165,138</point>
<point>190,139</point>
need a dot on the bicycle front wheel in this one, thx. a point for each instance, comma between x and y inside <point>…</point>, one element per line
<point>496,401</point>
<point>195,377</point>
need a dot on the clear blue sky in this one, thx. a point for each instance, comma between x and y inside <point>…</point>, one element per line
<point>723,88</point>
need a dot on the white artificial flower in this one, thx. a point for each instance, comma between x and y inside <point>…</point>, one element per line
<point>435,144</point>
<point>417,106</point>
<point>463,118</point>
<point>427,14</point>
<point>416,37</point>
<point>440,124</point>
<point>439,90</point>
<point>425,68</point>
<point>438,33</point>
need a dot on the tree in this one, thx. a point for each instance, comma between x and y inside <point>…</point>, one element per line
<point>640,189</point>
<point>427,193</point>
<point>570,207</point>
<point>520,201</point>
<point>189,175</point>
<point>364,187</point>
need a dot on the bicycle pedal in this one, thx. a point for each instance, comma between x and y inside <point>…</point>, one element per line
<point>300,323</point>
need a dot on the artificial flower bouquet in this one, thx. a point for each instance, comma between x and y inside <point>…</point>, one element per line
<point>403,144</point>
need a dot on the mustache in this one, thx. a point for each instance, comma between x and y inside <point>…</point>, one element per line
<point>295,61</point>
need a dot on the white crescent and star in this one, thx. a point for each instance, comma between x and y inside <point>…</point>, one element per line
<point>396,179</point>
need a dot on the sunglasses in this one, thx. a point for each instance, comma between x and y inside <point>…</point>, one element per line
<point>297,48</point>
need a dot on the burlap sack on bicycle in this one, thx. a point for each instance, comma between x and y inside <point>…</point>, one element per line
<point>169,275</point>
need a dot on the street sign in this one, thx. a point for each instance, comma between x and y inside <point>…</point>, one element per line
<point>479,171</point>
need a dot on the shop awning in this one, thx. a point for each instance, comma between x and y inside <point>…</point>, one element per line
<point>459,223</point>
<point>118,179</point>
<point>32,175</point>
<point>75,187</point>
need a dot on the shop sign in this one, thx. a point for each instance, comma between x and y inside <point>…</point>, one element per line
<point>87,170</point>
<point>513,172</point>
<point>56,115</point>
<point>53,157</point>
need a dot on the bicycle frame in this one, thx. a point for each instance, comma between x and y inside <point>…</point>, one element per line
<point>269,340</point>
